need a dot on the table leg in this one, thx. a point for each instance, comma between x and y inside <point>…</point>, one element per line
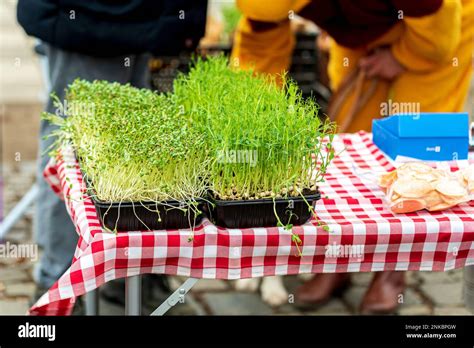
<point>133,295</point>
<point>91,300</point>
<point>469,287</point>
<point>18,211</point>
<point>175,297</point>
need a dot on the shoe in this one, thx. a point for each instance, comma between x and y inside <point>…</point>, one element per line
<point>382,297</point>
<point>321,288</point>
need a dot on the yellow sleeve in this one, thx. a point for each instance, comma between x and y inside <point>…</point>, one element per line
<point>270,10</point>
<point>267,51</point>
<point>431,40</point>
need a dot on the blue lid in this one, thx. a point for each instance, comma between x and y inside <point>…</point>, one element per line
<point>427,124</point>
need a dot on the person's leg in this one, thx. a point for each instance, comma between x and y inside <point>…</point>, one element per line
<point>342,62</point>
<point>52,222</point>
<point>43,60</point>
<point>440,90</point>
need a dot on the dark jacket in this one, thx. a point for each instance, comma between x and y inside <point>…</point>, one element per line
<point>115,27</point>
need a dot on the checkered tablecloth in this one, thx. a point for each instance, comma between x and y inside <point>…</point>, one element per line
<point>363,235</point>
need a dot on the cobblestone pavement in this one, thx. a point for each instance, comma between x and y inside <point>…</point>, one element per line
<point>428,293</point>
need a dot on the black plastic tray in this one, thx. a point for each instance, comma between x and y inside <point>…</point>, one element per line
<point>143,216</point>
<point>260,212</point>
<point>126,216</point>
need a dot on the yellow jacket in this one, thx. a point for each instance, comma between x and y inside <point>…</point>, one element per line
<point>436,50</point>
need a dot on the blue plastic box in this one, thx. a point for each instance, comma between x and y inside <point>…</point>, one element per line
<point>424,136</point>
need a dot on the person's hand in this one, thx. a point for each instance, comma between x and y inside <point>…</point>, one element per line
<point>381,63</point>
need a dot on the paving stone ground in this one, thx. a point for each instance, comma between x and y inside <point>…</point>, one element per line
<point>428,293</point>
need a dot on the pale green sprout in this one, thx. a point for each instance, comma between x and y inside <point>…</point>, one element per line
<point>241,112</point>
<point>134,145</point>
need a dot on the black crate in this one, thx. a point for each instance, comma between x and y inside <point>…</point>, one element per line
<point>260,212</point>
<point>142,216</point>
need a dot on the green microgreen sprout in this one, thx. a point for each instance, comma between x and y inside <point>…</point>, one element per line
<point>233,133</point>
<point>133,144</point>
<point>262,140</point>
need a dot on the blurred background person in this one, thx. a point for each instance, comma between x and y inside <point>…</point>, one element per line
<point>381,52</point>
<point>96,40</point>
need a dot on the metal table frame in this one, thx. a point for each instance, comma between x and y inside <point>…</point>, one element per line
<point>133,297</point>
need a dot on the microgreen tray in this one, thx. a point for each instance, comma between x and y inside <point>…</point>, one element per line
<point>261,212</point>
<point>143,216</point>
<point>140,216</point>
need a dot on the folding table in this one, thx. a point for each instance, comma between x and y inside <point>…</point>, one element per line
<point>352,207</point>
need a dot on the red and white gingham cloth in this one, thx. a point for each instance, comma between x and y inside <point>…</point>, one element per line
<point>352,207</point>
